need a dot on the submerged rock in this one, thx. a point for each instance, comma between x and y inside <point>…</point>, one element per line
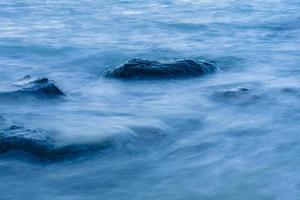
<point>42,87</point>
<point>291,91</point>
<point>148,69</point>
<point>236,96</point>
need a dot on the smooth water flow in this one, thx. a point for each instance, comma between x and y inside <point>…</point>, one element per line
<point>232,134</point>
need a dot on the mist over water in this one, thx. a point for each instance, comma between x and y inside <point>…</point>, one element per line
<point>231,135</point>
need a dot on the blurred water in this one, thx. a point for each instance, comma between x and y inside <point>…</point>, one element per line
<point>172,139</point>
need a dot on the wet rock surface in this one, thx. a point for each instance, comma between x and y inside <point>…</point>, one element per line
<point>28,88</point>
<point>16,137</point>
<point>43,146</point>
<point>42,87</point>
<point>148,69</point>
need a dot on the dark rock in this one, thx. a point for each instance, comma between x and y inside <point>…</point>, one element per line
<point>148,69</point>
<point>14,137</point>
<point>42,87</point>
<point>43,146</point>
<point>40,145</point>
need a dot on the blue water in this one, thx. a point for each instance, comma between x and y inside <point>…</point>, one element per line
<point>191,138</point>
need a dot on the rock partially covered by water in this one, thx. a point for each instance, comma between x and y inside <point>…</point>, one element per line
<point>45,146</point>
<point>42,87</point>
<point>14,137</point>
<point>236,96</point>
<point>148,69</point>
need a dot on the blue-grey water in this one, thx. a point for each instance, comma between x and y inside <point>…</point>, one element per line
<point>194,138</point>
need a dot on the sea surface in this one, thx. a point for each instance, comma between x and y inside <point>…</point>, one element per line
<point>231,135</point>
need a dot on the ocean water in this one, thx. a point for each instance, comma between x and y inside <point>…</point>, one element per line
<point>230,135</point>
